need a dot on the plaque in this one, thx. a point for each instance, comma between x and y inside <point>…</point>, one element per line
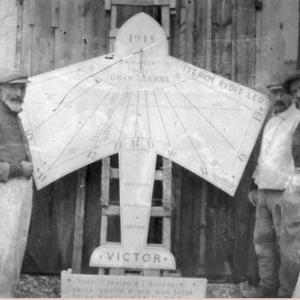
<point>103,286</point>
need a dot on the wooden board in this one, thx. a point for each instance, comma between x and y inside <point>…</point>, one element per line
<point>277,40</point>
<point>103,286</point>
<point>8,33</point>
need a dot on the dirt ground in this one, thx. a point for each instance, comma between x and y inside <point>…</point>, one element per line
<point>38,286</point>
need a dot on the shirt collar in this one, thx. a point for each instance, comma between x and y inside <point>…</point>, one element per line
<point>285,114</point>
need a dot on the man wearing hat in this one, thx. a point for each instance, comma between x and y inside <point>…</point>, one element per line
<point>15,180</point>
<point>274,169</point>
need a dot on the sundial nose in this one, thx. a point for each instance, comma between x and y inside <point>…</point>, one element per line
<point>141,33</point>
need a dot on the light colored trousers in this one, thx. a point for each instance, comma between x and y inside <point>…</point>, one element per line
<point>266,237</point>
<point>15,213</point>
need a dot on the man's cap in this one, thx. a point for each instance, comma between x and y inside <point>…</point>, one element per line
<point>290,78</point>
<point>13,75</point>
<point>273,87</point>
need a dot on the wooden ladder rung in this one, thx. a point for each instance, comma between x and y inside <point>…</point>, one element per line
<point>156,211</point>
<point>140,3</point>
<point>114,173</point>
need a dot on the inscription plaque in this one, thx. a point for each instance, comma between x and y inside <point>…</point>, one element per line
<point>103,286</point>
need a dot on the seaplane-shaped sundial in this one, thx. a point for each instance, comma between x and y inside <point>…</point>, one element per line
<point>140,102</point>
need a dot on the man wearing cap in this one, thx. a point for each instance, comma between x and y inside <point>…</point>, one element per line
<point>15,180</point>
<point>273,171</point>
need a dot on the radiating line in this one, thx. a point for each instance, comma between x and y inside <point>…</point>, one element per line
<point>93,74</point>
<point>148,116</point>
<point>125,114</point>
<point>136,113</point>
<point>206,119</point>
<point>108,124</point>
<point>62,107</point>
<point>161,118</point>
<point>190,139</point>
<point>77,132</point>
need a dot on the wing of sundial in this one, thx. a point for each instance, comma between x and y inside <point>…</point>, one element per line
<point>145,102</point>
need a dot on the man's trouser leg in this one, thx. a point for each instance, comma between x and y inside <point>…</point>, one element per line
<point>289,243</point>
<point>267,224</point>
<point>15,212</point>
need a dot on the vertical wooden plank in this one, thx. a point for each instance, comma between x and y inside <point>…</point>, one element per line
<point>113,25</point>
<point>182,33</point>
<point>92,219</point>
<point>70,42</point>
<point>202,237</point>
<point>105,180</point>
<point>55,13</point>
<point>222,43</point>
<point>167,198</point>
<point>19,36</point>
<point>245,74</point>
<point>42,37</point>
<point>69,48</point>
<point>176,212</point>
<point>189,41</point>
<point>277,40</point>
<point>79,221</point>
<point>189,219</point>
<point>107,4</point>
<point>8,32</point>
<point>42,252</point>
<point>96,29</point>
<point>200,33</point>
<point>26,38</point>
<point>165,19</point>
<point>209,35</point>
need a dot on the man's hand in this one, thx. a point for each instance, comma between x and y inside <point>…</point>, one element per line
<point>27,168</point>
<point>252,197</point>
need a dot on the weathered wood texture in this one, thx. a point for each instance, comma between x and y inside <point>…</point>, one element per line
<point>211,232</point>
<point>277,40</point>
<point>8,32</point>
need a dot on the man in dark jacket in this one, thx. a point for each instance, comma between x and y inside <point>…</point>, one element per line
<point>15,180</point>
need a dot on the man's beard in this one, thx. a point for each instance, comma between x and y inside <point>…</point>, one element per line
<point>14,105</point>
<point>281,106</point>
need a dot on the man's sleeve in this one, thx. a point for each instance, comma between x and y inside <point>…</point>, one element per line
<point>296,146</point>
<point>4,171</point>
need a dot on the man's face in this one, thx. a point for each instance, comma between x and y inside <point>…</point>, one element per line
<point>281,99</point>
<point>295,91</point>
<point>12,94</point>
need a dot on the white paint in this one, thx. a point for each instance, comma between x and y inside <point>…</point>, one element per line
<point>144,100</point>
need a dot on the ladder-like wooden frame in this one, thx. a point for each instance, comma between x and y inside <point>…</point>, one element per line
<point>164,175</point>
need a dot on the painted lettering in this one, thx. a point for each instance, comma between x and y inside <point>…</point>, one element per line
<point>200,74</point>
<point>146,257</point>
<point>110,255</point>
<point>126,256</point>
<point>156,258</point>
<point>230,86</point>
<point>257,116</point>
<point>134,257</point>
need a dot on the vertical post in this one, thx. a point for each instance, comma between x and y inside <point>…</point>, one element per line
<point>79,220</point>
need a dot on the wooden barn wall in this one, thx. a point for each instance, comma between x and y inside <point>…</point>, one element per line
<point>212,232</point>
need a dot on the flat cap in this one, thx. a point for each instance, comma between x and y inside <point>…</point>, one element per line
<point>290,78</point>
<point>275,87</point>
<point>13,75</point>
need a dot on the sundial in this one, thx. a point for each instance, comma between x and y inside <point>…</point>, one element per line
<point>140,102</point>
